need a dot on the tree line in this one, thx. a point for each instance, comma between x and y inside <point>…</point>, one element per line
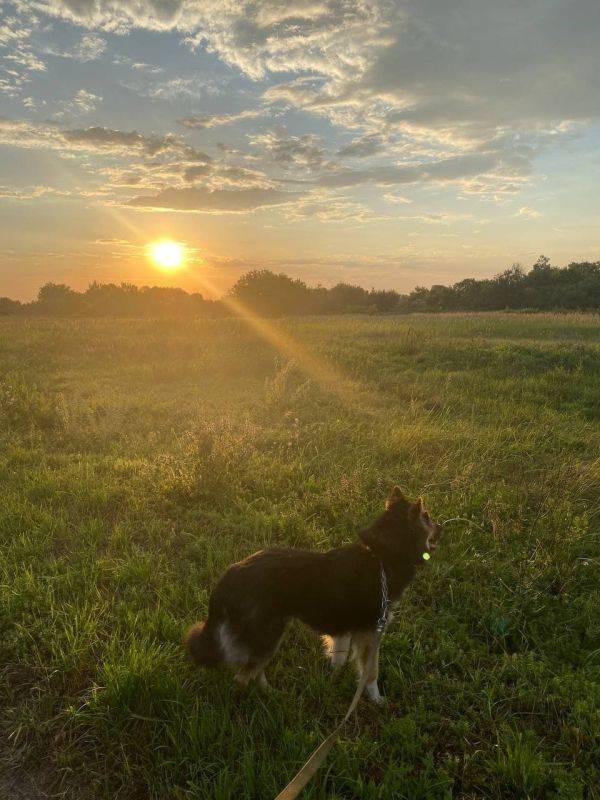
<point>543,287</point>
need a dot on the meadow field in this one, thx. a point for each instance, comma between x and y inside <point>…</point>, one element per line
<point>139,458</point>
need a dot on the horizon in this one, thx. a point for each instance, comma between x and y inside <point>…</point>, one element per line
<point>386,145</point>
<point>165,284</point>
<point>326,285</point>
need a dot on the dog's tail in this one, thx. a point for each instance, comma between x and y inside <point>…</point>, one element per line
<point>202,645</point>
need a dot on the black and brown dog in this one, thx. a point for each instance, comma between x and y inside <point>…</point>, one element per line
<point>337,593</point>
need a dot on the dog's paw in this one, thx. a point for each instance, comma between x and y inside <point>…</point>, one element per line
<point>380,701</point>
<point>262,681</point>
<point>372,692</point>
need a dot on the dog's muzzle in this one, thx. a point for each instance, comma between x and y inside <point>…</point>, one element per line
<point>434,538</point>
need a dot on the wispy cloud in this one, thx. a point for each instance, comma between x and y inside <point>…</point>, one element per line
<point>207,121</point>
<point>528,213</point>
<point>291,151</point>
<point>214,200</point>
<point>444,170</point>
<point>85,101</point>
<point>97,138</point>
<point>363,147</point>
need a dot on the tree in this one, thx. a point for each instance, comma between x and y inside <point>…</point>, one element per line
<point>8,306</point>
<point>384,300</point>
<point>418,298</point>
<point>57,299</point>
<point>508,289</point>
<point>441,298</point>
<point>347,297</point>
<point>270,294</point>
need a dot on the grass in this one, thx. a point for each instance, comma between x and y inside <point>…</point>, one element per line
<point>138,459</point>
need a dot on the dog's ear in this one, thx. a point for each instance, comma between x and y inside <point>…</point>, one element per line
<point>396,496</point>
<point>417,507</point>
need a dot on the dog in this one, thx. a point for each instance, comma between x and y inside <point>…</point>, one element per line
<point>338,593</point>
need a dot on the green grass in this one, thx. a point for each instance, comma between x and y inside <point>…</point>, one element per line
<point>138,459</point>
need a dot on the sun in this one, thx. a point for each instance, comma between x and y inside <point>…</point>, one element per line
<point>167,254</point>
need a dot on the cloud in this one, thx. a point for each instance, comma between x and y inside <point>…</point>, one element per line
<point>363,147</point>
<point>90,47</point>
<point>329,208</point>
<point>25,58</point>
<point>305,92</point>
<point>163,165</point>
<point>197,171</point>
<point>478,61</point>
<point>457,76</point>
<point>13,31</point>
<point>206,121</point>
<point>454,168</point>
<point>118,16</point>
<point>397,199</point>
<point>257,36</point>
<point>528,213</point>
<point>143,174</point>
<point>465,95</point>
<point>491,63</point>
<point>169,161</point>
<point>139,66</point>
<point>157,175</point>
<point>85,101</point>
<point>17,58</point>
<point>97,138</point>
<point>240,177</point>
<point>19,133</point>
<point>213,200</point>
<point>461,75</point>
<point>446,219</point>
<point>291,151</point>
<point>31,192</point>
<point>194,88</point>
<point>115,241</point>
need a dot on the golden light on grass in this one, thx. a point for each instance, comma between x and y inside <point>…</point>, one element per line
<point>327,375</point>
<point>167,254</point>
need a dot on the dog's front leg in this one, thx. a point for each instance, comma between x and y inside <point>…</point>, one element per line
<point>362,644</point>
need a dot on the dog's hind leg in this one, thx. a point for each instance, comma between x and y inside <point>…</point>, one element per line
<point>261,640</point>
<point>252,672</point>
<point>337,649</point>
<point>362,643</point>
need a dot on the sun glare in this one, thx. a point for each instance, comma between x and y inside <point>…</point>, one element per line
<point>167,254</point>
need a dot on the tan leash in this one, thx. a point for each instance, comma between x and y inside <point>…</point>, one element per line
<point>318,756</point>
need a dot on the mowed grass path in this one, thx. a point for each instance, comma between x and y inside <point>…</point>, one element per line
<point>138,459</point>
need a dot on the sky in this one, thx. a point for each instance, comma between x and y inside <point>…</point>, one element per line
<point>389,143</point>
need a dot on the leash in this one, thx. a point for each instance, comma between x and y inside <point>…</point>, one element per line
<point>318,756</point>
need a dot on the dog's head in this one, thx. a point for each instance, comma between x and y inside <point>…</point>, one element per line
<point>404,530</point>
